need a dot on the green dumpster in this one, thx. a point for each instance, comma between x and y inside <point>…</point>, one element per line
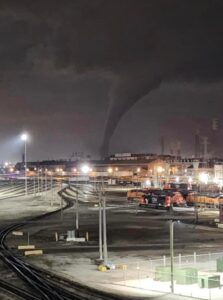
<point>209,281</point>
<point>186,275</point>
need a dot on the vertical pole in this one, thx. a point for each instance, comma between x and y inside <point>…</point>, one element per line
<point>180,259</point>
<point>77,215</point>
<point>195,258</point>
<point>34,185</point>
<point>164,260</point>
<point>61,203</point>
<point>51,187</point>
<point>45,184</point>
<point>104,229</point>
<point>28,238</point>
<point>25,158</point>
<point>100,228</point>
<point>171,255</point>
<point>38,182</point>
<point>41,184</point>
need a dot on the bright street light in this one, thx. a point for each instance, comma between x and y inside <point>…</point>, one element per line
<point>24,137</point>
<point>85,169</point>
<point>110,170</point>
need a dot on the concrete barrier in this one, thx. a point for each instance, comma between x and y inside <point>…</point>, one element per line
<point>26,247</point>
<point>33,252</point>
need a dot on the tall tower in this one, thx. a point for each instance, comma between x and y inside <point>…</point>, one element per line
<point>205,146</point>
<point>214,128</point>
<point>162,145</point>
<point>197,144</point>
<point>178,146</point>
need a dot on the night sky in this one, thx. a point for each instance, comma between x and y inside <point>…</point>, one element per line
<point>78,74</point>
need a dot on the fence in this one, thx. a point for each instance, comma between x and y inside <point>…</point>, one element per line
<point>194,275</point>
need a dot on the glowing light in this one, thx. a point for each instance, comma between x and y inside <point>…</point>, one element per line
<point>177,179</point>
<point>138,169</point>
<point>116,169</point>
<point>74,170</point>
<point>85,169</point>
<point>24,137</point>
<point>160,169</point>
<point>57,170</point>
<point>203,177</point>
<point>190,180</point>
<point>148,182</point>
<point>110,170</point>
<point>6,164</point>
<point>11,169</point>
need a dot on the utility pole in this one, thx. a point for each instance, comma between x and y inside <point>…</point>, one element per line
<point>34,185</point>
<point>38,182</point>
<point>42,180</point>
<point>45,184</point>
<point>51,189</point>
<point>61,202</point>
<point>100,228</point>
<point>105,248</point>
<point>77,215</point>
<point>171,256</point>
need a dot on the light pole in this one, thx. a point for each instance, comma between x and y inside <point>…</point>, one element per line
<point>171,256</point>
<point>24,138</point>
<point>105,248</point>
<point>100,228</point>
<point>77,215</point>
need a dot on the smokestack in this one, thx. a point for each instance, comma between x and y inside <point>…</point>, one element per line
<point>162,145</point>
<point>205,146</point>
<point>171,148</point>
<point>214,128</point>
<point>197,145</point>
<point>178,148</point>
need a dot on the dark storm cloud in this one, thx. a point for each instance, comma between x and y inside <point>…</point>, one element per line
<point>138,43</point>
